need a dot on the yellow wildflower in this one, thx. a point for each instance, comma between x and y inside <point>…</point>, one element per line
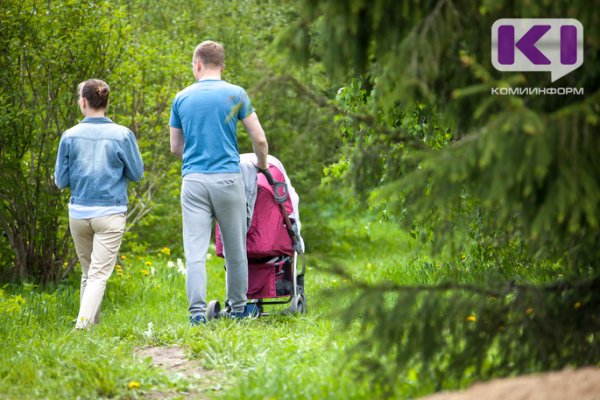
<point>133,385</point>
<point>529,311</point>
<point>145,272</point>
<point>577,305</point>
<point>148,263</point>
<point>166,251</point>
<point>123,257</point>
<point>471,318</point>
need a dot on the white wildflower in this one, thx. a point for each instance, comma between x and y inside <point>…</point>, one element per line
<point>180,266</point>
<point>150,331</point>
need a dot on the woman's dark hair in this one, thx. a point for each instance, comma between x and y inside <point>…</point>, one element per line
<point>95,92</point>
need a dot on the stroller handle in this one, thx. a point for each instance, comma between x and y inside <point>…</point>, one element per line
<point>279,197</point>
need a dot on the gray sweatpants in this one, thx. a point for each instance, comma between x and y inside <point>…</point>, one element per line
<point>218,196</point>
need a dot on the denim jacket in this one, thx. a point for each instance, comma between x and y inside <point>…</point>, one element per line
<point>95,159</point>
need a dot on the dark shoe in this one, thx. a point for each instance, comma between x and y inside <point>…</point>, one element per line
<point>250,311</point>
<point>198,320</point>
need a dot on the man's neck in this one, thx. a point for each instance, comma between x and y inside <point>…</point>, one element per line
<point>209,74</point>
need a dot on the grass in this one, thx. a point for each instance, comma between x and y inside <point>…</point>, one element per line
<point>274,357</point>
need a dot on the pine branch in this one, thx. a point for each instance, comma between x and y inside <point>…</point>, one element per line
<point>509,288</point>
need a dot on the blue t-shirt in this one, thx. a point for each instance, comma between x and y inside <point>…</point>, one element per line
<point>208,112</point>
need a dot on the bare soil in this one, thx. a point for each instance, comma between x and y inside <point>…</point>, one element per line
<point>580,384</point>
<point>173,360</point>
<point>568,384</point>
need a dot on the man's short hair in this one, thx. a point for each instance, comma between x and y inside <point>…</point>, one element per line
<point>209,52</point>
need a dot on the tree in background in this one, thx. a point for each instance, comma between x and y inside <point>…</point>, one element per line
<point>45,50</point>
<point>519,183</point>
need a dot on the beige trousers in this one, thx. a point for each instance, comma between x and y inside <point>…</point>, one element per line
<point>97,242</point>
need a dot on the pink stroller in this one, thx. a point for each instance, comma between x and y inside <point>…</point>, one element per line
<point>273,242</point>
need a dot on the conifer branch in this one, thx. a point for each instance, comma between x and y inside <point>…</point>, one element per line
<point>510,287</point>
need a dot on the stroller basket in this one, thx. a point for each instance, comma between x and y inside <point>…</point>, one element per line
<point>271,278</point>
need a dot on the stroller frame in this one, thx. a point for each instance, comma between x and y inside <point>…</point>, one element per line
<point>296,297</point>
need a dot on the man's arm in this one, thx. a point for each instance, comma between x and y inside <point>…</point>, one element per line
<point>176,141</point>
<point>259,140</point>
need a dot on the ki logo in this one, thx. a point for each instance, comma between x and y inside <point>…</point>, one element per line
<point>537,44</point>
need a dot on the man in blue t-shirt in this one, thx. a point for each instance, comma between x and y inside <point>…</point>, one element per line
<point>203,124</point>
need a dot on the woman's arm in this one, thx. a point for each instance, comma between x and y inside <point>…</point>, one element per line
<point>61,169</point>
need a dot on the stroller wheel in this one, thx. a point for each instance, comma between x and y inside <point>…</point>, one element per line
<point>298,305</point>
<point>213,310</point>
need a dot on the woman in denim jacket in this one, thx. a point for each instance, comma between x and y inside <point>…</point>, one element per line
<point>95,160</point>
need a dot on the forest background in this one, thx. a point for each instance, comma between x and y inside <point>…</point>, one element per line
<point>383,118</point>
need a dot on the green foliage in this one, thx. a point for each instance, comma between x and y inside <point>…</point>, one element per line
<point>381,147</point>
<point>534,155</point>
<point>509,183</point>
<point>495,331</point>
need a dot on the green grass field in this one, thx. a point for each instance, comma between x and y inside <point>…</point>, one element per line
<point>274,357</point>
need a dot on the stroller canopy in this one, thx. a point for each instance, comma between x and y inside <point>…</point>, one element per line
<point>267,234</point>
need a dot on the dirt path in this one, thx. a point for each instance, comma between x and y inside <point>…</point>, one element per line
<point>581,384</point>
<point>173,360</point>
